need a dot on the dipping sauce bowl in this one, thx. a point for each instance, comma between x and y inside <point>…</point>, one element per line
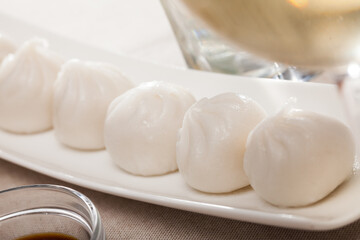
<point>47,209</point>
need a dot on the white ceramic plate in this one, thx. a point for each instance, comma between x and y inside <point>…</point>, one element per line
<point>95,170</point>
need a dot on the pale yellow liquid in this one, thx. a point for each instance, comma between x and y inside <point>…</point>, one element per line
<point>305,33</point>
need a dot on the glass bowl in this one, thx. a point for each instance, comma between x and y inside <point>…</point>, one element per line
<point>44,208</point>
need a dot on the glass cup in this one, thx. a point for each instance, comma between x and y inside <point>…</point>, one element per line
<point>203,49</point>
<point>35,209</point>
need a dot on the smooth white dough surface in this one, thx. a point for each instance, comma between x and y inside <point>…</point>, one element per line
<point>83,92</point>
<point>141,127</point>
<point>6,47</point>
<point>211,143</point>
<point>297,157</point>
<point>26,87</point>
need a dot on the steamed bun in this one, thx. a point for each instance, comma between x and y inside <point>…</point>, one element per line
<point>26,87</point>
<point>211,143</point>
<point>297,157</point>
<point>141,127</point>
<point>82,94</point>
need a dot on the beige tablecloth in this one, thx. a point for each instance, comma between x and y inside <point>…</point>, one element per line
<point>128,219</point>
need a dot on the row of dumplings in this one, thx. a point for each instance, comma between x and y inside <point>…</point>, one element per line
<point>219,144</point>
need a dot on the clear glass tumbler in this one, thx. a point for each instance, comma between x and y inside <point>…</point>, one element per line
<point>34,209</point>
<point>204,50</point>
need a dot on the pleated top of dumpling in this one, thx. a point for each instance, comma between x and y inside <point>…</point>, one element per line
<point>83,92</point>
<point>26,87</point>
<point>6,47</point>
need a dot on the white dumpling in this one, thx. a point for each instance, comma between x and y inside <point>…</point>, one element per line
<point>83,92</point>
<point>297,157</point>
<point>6,47</point>
<point>141,127</point>
<point>26,87</point>
<point>211,143</point>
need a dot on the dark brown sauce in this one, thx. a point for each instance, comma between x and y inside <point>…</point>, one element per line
<point>47,236</point>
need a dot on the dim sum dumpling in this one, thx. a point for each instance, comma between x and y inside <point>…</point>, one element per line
<point>26,87</point>
<point>211,143</point>
<point>297,157</point>
<point>141,127</point>
<point>83,92</point>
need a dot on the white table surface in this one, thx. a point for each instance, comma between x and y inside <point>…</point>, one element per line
<point>138,28</point>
